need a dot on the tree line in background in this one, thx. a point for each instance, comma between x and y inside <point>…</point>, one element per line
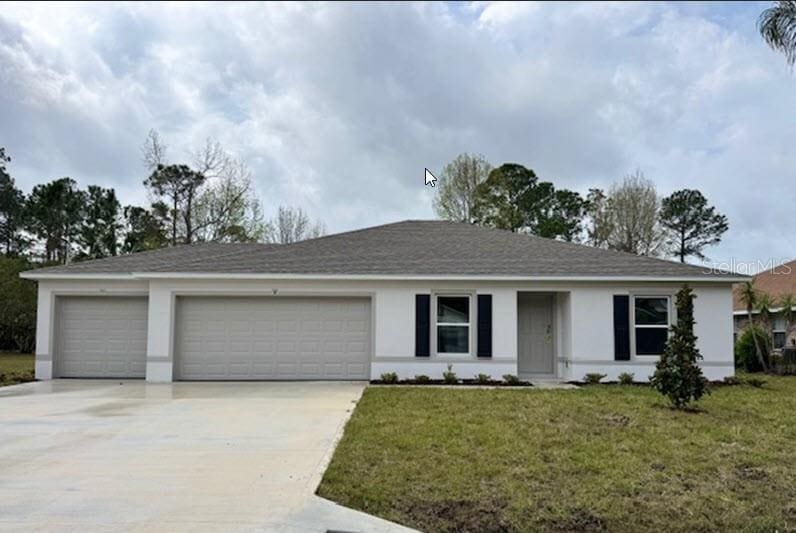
<point>209,199</point>
<point>629,217</point>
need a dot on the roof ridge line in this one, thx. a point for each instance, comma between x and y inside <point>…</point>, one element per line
<point>348,232</point>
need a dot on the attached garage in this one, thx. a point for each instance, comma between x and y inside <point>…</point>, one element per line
<point>100,337</point>
<point>272,338</point>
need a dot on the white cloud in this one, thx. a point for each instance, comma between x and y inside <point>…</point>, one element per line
<point>339,107</point>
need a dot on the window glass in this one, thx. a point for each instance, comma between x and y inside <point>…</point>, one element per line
<point>453,339</point>
<point>453,324</point>
<point>652,311</point>
<point>650,341</point>
<point>651,319</point>
<point>779,339</point>
<point>453,310</point>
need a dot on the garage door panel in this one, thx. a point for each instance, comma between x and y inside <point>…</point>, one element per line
<point>240,338</point>
<point>102,337</point>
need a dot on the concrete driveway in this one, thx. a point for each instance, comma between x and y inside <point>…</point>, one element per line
<point>83,454</point>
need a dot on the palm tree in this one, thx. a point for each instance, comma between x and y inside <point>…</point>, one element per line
<point>777,25</point>
<point>786,304</point>
<point>749,297</point>
<point>765,306</point>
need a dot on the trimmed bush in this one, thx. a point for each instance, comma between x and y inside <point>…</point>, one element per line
<point>593,378</point>
<point>511,379</point>
<point>626,378</point>
<point>422,379</point>
<point>389,377</point>
<point>449,376</point>
<point>483,379</point>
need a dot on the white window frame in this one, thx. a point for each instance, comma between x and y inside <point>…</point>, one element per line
<point>783,330</point>
<point>468,324</point>
<point>633,325</point>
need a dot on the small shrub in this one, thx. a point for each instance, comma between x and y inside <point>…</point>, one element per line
<point>732,380</point>
<point>422,379</point>
<point>745,353</point>
<point>626,378</point>
<point>389,377</point>
<point>449,376</point>
<point>755,382</point>
<point>511,379</point>
<point>593,378</point>
<point>483,379</point>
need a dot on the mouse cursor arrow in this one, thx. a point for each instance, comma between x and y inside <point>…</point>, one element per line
<point>430,178</point>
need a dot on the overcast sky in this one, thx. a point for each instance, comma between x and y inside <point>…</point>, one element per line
<point>339,107</point>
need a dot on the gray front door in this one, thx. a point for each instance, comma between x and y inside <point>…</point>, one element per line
<point>535,334</point>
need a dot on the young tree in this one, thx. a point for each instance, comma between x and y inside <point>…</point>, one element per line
<point>457,187</point>
<point>777,25</point>
<point>513,198</point>
<point>145,229</point>
<point>12,211</point>
<point>749,297</point>
<point>54,214</point>
<point>677,374</point>
<point>634,204</point>
<point>292,225</point>
<point>178,185</point>
<point>100,231</point>
<point>691,223</point>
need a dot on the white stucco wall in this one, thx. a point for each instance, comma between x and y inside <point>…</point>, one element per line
<point>593,342</point>
<point>583,311</point>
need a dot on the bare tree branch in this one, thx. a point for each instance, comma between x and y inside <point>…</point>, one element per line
<point>153,151</point>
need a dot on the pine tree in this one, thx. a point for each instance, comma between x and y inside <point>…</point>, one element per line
<point>677,374</point>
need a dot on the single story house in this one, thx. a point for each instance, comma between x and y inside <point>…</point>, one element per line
<point>409,297</point>
<point>775,282</point>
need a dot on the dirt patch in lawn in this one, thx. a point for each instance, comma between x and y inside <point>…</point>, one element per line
<point>460,516</point>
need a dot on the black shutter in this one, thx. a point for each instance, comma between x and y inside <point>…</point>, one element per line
<point>484,325</point>
<point>422,325</point>
<point>621,327</point>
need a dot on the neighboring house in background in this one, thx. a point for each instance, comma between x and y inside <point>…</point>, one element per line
<point>776,283</point>
<point>409,297</point>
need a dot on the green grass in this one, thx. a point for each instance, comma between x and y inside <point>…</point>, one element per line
<point>601,458</point>
<point>15,368</point>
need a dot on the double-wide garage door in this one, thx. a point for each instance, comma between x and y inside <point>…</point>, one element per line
<point>261,338</point>
<point>101,337</point>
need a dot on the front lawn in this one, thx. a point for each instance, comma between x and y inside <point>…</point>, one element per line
<point>15,368</point>
<point>601,458</point>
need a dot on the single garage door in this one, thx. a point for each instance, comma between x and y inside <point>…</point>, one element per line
<point>101,337</point>
<point>240,338</point>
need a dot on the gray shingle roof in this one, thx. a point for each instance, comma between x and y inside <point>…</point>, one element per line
<point>409,248</point>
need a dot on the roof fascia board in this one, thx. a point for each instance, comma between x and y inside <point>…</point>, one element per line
<point>378,277</point>
<point>31,274</point>
<point>369,277</point>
